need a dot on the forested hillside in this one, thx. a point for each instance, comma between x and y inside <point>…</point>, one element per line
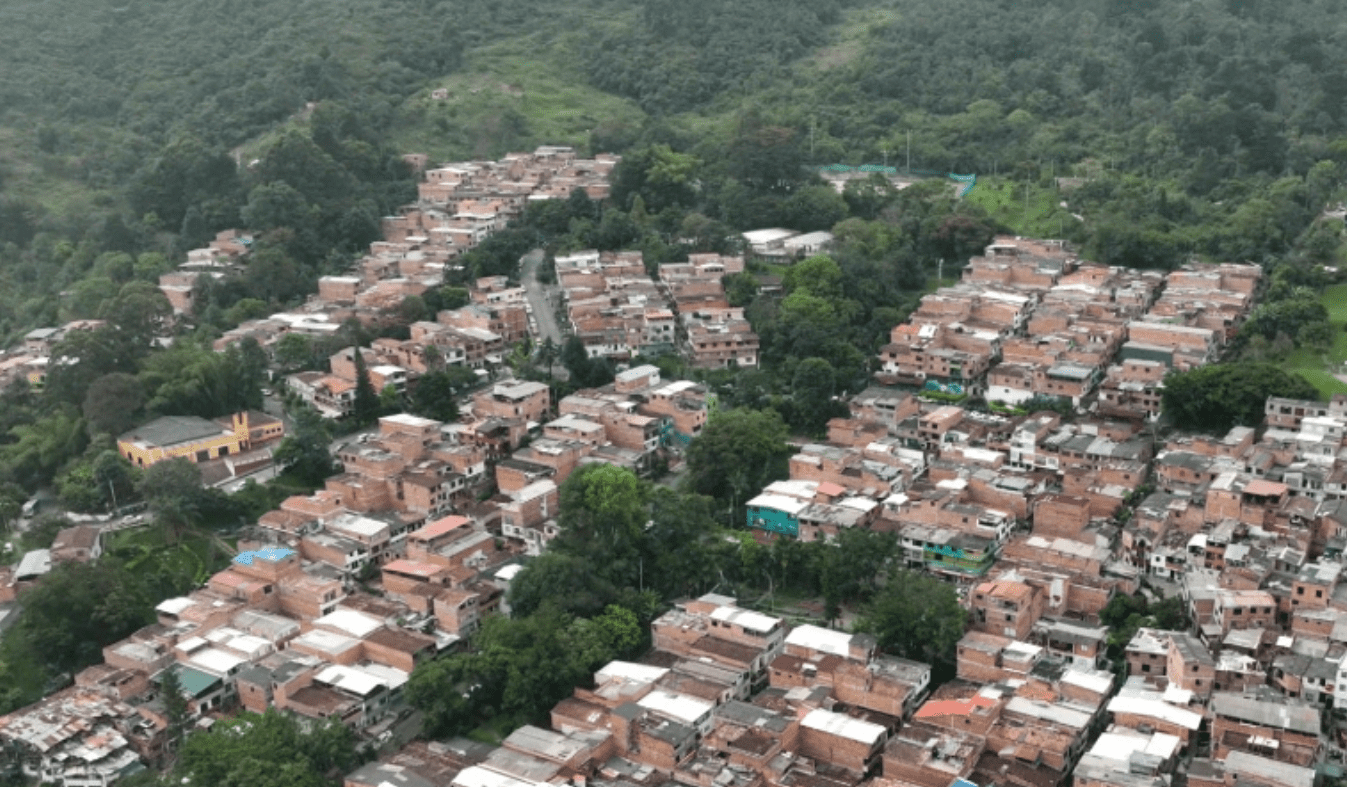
<point>1186,116</point>
<point>680,56</point>
<point>1188,128</point>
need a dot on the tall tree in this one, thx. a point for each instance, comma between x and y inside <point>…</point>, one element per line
<point>84,356</point>
<point>273,749</point>
<point>366,398</point>
<point>434,395</point>
<point>443,689</point>
<point>1218,397</point>
<point>915,616</point>
<point>737,454</point>
<point>12,498</point>
<point>113,404</point>
<point>812,390</point>
<point>115,475</point>
<point>174,492</point>
<point>547,355</point>
<point>40,448</point>
<point>602,516</point>
<point>682,543</point>
<point>575,358</point>
<point>294,352</point>
<point>306,451</point>
<point>569,583</point>
<point>175,706</point>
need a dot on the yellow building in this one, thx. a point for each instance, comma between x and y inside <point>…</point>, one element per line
<point>197,439</point>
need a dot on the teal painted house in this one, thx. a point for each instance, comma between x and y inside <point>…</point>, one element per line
<point>776,514</point>
<point>965,555</point>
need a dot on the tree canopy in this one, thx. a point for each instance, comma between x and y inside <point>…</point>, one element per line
<point>915,616</point>
<point>273,749</point>
<point>520,666</point>
<point>738,453</point>
<point>77,609</point>
<point>1218,397</point>
<point>306,451</point>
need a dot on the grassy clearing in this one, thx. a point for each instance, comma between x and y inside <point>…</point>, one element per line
<point>515,94</point>
<point>851,35</point>
<point>198,555</point>
<point>51,180</point>
<point>1038,216</point>
<point>1319,367</point>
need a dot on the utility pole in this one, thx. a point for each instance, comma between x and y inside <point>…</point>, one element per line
<point>940,273</point>
<point>909,151</point>
<point>113,492</point>
<point>885,150</point>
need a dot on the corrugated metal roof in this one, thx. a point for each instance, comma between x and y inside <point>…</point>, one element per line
<point>843,726</point>
<point>194,682</point>
<point>34,564</point>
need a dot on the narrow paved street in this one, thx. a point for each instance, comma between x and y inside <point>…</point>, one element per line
<point>542,298</point>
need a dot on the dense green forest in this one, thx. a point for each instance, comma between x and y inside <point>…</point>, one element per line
<point>1198,128</point>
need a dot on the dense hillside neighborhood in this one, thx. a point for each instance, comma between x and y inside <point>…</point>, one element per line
<point>1130,603</point>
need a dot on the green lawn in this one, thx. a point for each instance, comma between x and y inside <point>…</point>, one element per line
<point>1318,367</point>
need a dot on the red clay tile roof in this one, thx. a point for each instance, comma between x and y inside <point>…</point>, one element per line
<point>1259,486</point>
<point>952,707</point>
<point>441,526</point>
<point>1014,591</point>
<point>412,567</point>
